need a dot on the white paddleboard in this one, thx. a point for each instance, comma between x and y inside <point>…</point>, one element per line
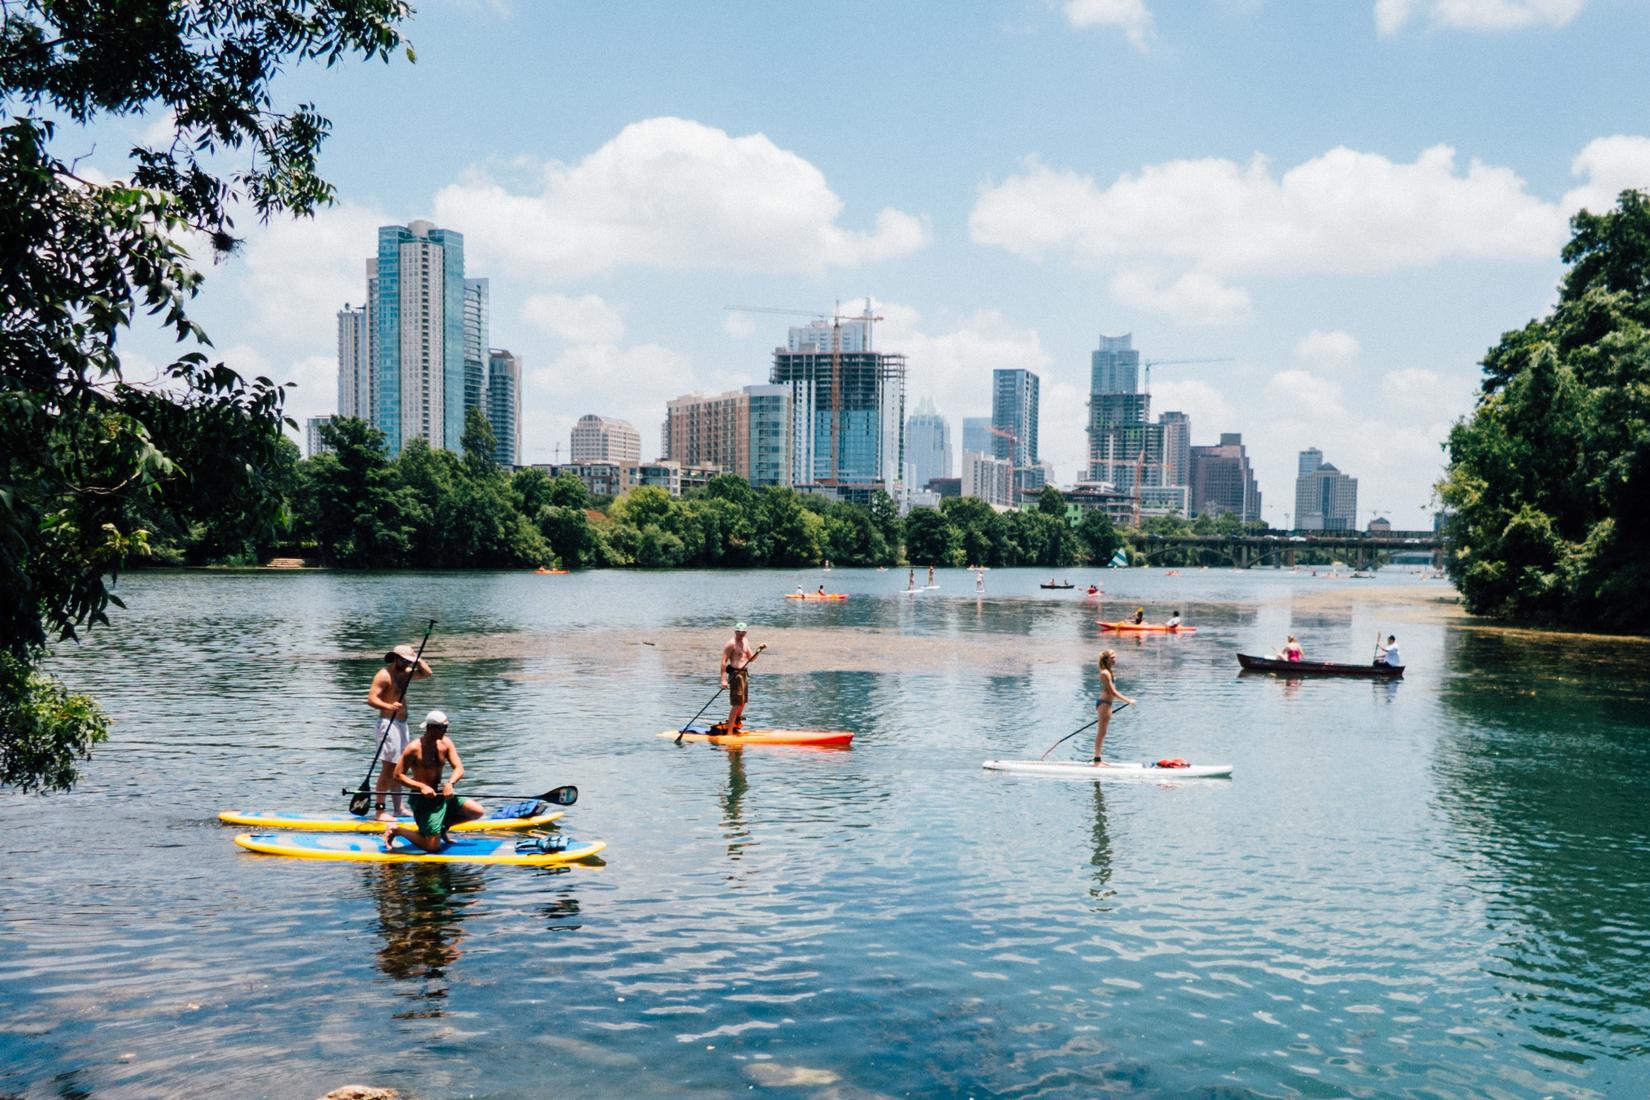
<point>1074,770</point>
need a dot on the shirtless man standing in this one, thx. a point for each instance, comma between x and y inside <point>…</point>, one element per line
<point>434,805</point>
<point>389,688</point>
<point>735,665</point>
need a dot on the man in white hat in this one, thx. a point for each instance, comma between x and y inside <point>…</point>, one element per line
<point>389,688</point>
<point>735,665</point>
<point>434,805</point>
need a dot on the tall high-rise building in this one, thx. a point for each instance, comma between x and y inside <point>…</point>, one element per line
<point>1222,480</point>
<point>744,431</point>
<point>605,439</point>
<point>504,405</point>
<point>1177,448</point>
<point>989,478</point>
<point>476,315</point>
<point>927,444</point>
<point>847,407</point>
<point>1325,498</point>
<point>418,322</point>
<point>770,435</point>
<point>1125,448</point>
<point>1014,416</point>
<point>976,434</point>
<point>354,364</point>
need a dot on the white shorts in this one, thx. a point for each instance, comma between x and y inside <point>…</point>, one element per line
<point>395,744</point>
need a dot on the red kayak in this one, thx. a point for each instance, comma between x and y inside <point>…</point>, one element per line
<point>1146,628</point>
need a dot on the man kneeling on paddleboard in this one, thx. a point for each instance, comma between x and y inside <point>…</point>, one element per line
<point>434,805</point>
<point>735,664</point>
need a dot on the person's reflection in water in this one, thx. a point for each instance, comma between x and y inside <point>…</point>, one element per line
<point>420,916</point>
<point>733,797</point>
<point>1101,891</point>
<point>1386,689</point>
<point>1292,687</point>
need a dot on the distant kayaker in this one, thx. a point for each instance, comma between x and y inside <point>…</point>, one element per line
<point>1102,706</point>
<point>1093,590</point>
<point>1388,654</point>
<point>1291,650</point>
<point>1173,622</point>
<point>1139,616</point>
<point>799,591</point>
<point>735,669</point>
<point>435,807</point>
<point>821,591</point>
<point>389,688</point>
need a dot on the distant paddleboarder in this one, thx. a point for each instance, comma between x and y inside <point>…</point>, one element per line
<point>1102,706</point>
<point>735,662</point>
<point>389,687</point>
<point>434,805</point>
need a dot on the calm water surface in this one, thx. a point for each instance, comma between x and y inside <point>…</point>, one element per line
<point>1436,888</point>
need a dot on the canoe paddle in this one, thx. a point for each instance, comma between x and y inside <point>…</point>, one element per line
<point>363,797</point>
<point>1074,733</point>
<point>556,796</point>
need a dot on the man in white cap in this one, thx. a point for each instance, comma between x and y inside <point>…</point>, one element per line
<point>389,688</point>
<point>434,805</point>
<point>735,664</point>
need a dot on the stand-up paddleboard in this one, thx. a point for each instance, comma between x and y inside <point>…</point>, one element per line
<point>1145,628</point>
<point>1075,770</point>
<point>518,851</point>
<point>817,738</point>
<point>349,823</point>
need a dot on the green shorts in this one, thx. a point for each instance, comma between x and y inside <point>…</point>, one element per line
<point>431,812</point>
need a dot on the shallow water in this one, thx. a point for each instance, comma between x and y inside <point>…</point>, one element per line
<point>1429,888</point>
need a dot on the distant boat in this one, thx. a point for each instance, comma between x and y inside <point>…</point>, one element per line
<point>1119,560</point>
<point>1317,668</point>
<point>1068,584</point>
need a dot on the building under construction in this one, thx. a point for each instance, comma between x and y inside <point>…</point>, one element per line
<point>847,408</point>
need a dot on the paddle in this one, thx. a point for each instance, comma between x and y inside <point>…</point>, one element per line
<point>711,700</point>
<point>363,797</point>
<point>557,796</point>
<point>1075,732</point>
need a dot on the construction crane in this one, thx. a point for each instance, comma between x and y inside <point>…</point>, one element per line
<point>1150,363</point>
<point>837,317</point>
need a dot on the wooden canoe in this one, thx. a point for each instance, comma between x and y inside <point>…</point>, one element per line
<point>1317,668</point>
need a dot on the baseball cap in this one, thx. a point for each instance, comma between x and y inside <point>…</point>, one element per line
<point>739,628</point>
<point>436,718</point>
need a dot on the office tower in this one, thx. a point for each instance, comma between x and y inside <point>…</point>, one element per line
<point>1177,448</point>
<point>927,444</point>
<point>314,443</point>
<point>418,322</point>
<point>604,439</point>
<point>1014,416</point>
<point>476,294</point>
<point>504,405</point>
<point>847,407</point>
<point>976,434</point>
<point>1325,498</point>
<point>1125,448</point>
<point>744,431</point>
<point>1222,480</point>
<point>989,478</point>
<point>354,364</point>
<point>770,435</point>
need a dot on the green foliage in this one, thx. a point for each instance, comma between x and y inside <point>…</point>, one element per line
<point>92,461</point>
<point>1098,538</point>
<point>1548,477</point>
<point>930,539</point>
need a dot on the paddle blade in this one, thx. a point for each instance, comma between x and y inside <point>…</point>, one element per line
<point>561,796</point>
<point>359,803</point>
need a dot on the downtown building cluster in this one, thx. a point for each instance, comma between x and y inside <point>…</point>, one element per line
<point>415,357</point>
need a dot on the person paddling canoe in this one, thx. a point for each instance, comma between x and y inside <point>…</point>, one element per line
<point>389,688</point>
<point>735,662</point>
<point>434,805</point>
<point>1388,654</point>
<point>1102,706</point>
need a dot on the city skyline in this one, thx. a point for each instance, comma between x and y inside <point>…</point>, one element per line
<point>1324,200</point>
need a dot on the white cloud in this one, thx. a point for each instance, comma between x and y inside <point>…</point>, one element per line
<point>297,273</point>
<point>629,382</point>
<point>740,326</point>
<point>1328,351</point>
<point>586,319</point>
<point>1132,17</point>
<point>1392,16</point>
<point>1209,411</point>
<point>1610,165</point>
<point>1298,393</point>
<point>1194,298</point>
<point>673,194</point>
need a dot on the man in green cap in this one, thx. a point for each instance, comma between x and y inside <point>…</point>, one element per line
<point>737,656</point>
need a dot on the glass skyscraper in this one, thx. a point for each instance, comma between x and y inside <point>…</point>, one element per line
<point>1014,416</point>
<point>504,405</point>
<point>418,323</point>
<point>847,429</point>
<point>927,444</point>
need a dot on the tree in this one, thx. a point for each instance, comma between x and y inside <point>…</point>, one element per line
<point>929,538</point>
<point>1547,478</point>
<point>88,451</point>
<point>353,503</point>
<point>1051,502</point>
<point>1097,536</point>
<point>478,443</point>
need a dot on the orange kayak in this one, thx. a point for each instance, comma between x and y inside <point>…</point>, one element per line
<point>1146,628</point>
<point>816,596</point>
<point>548,572</point>
<point>817,738</point>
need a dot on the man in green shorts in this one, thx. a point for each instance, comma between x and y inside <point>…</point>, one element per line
<point>434,805</point>
<point>735,662</point>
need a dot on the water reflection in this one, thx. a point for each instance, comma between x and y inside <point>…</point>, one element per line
<point>1101,890</point>
<point>733,798</point>
<point>421,910</point>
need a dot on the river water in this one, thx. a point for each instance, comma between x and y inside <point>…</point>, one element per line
<point>1433,888</point>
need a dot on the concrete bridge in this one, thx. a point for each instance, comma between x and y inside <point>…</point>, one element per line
<point>1356,548</point>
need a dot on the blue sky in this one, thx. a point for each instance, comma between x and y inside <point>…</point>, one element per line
<point>1350,200</point>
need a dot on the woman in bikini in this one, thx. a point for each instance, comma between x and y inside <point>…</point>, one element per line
<point>1102,706</point>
